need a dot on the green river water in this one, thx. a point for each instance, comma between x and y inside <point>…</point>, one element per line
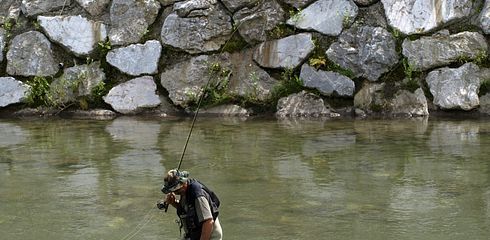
<point>349,179</point>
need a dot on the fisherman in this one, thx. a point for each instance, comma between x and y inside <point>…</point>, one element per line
<point>197,206</point>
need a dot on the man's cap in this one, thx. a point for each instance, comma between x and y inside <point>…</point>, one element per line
<point>174,180</point>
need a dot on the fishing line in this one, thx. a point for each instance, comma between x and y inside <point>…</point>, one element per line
<point>146,219</point>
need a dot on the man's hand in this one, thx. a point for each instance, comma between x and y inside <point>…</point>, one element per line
<point>170,198</point>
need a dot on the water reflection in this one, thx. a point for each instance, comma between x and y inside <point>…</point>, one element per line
<point>288,179</point>
<point>141,138</point>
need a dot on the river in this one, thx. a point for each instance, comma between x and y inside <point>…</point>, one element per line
<point>349,179</point>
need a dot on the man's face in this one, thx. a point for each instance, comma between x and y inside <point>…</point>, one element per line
<point>181,190</point>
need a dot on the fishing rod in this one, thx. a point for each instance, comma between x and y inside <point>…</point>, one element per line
<point>164,205</point>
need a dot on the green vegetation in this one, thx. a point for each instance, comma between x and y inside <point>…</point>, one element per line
<point>38,94</point>
<point>482,59</point>
<point>104,47</point>
<point>317,62</point>
<point>60,94</point>
<point>408,69</point>
<point>215,93</point>
<point>295,15</point>
<point>290,83</point>
<point>280,31</point>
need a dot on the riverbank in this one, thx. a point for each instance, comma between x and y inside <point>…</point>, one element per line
<point>279,57</point>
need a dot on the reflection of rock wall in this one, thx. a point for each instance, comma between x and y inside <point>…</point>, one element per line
<point>337,45</point>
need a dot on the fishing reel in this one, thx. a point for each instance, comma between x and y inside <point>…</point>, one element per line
<point>162,205</point>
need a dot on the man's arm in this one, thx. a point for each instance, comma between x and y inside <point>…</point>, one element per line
<point>205,216</point>
<point>207,229</point>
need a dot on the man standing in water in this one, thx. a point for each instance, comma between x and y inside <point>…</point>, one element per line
<point>197,207</point>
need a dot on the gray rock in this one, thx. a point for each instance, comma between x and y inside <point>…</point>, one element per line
<point>327,82</point>
<point>130,20</point>
<point>227,110</point>
<point>133,96</point>
<point>234,5</point>
<point>441,50</point>
<point>298,4</point>
<point>373,15</point>
<point>287,52</point>
<point>455,88</point>
<point>3,41</point>
<point>204,31</point>
<point>249,80</point>
<point>421,16</point>
<point>30,54</point>
<point>94,7</point>
<point>365,2</point>
<point>185,81</point>
<point>254,23</point>
<point>485,104</point>
<point>9,9</point>
<point>75,82</point>
<point>410,104</point>
<point>367,51</point>
<point>302,104</point>
<point>76,33</point>
<point>36,7</point>
<point>12,91</point>
<point>370,97</point>
<point>136,59</point>
<point>326,16</point>
<point>484,19</point>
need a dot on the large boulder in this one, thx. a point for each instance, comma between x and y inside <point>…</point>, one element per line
<point>136,59</point>
<point>254,23</point>
<point>75,82</point>
<point>286,53</point>
<point>185,81</point>
<point>367,51</point>
<point>441,49</point>
<point>36,7</point>
<point>249,80</point>
<point>197,26</point>
<point>370,98</point>
<point>95,8</point>
<point>421,16</point>
<point>326,16</point>
<point>76,33</point>
<point>134,95</point>
<point>12,91</point>
<point>30,54</point>
<point>130,20</point>
<point>302,104</point>
<point>326,82</point>
<point>455,88</point>
<point>410,104</point>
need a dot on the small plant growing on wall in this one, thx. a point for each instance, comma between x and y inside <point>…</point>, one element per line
<point>38,94</point>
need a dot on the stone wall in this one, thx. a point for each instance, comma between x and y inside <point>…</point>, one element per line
<point>309,58</point>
